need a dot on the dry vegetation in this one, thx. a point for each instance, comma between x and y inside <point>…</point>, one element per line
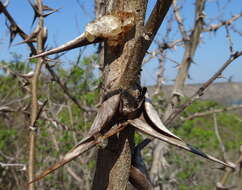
<point>103,133</point>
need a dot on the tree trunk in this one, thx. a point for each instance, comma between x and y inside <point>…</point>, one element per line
<point>122,65</point>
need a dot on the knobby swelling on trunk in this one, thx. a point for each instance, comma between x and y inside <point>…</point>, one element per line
<point>126,106</point>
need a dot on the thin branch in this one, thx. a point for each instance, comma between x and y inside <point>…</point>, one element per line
<point>227,173</point>
<point>74,175</point>
<point>19,76</point>
<point>222,147</point>
<point>209,112</point>
<point>15,73</point>
<point>161,55</point>
<point>35,111</point>
<point>67,92</point>
<point>215,27</point>
<point>16,28</point>
<point>229,39</point>
<point>201,90</point>
<point>179,21</point>
<point>56,123</point>
<point>33,126</point>
<point>23,166</point>
<point>236,30</point>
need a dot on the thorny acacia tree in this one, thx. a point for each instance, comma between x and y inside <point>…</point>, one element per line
<point>125,104</point>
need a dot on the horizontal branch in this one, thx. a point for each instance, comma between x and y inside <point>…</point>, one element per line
<point>23,166</point>
<point>215,27</point>
<point>206,113</point>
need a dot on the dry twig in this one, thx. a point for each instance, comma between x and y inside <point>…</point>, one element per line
<point>209,112</point>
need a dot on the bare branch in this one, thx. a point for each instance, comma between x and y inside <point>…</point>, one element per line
<point>236,30</point>
<point>227,173</point>
<point>15,73</point>
<point>16,28</point>
<point>40,13</point>
<point>33,125</point>
<point>179,21</point>
<point>201,90</point>
<point>215,27</point>
<point>74,175</point>
<point>229,39</point>
<point>222,147</point>
<point>209,112</point>
<point>67,91</point>
<point>22,166</point>
<point>151,56</point>
<point>219,186</point>
<point>32,37</point>
<point>5,4</point>
<point>35,111</point>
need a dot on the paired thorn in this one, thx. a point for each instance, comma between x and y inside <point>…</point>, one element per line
<point>105,125</point>
<point>32,37</point>
<point>37,12</point>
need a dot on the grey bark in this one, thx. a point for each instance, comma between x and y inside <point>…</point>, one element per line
<point>122,65</point>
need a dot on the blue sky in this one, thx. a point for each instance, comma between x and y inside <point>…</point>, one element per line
<point>70,21</point>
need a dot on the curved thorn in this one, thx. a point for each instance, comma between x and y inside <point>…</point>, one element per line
<point>146,128</point>
<point>151,115</point>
